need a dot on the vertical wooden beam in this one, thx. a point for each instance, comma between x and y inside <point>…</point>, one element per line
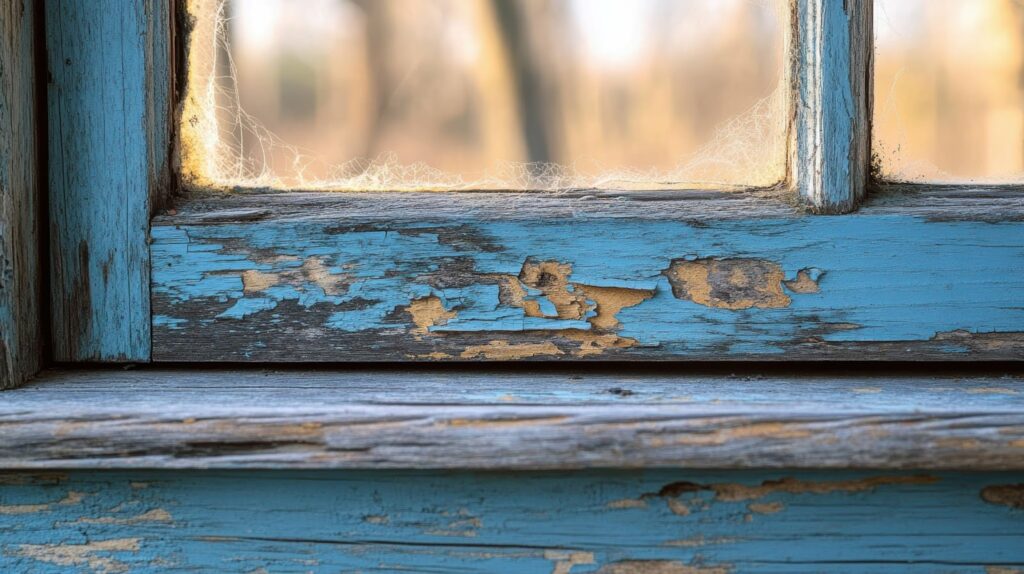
<point>109,133</point>
<point>20,349</point>
<point>831,159</point>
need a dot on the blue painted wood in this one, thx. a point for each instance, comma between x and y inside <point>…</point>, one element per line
<point>20,294</point>
<point>833,108</point>
<point>875,285</point>
<point>656,522</point>
<point>109,118</point>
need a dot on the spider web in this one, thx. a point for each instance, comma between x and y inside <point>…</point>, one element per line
<point>224,147</point>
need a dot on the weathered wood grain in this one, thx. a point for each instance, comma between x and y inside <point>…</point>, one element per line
<point>110,117</point>
<point>831,159</point>
<point>608,522</point>
<point>20,339</point>
<point>383,277</point>
<point>520,420</point>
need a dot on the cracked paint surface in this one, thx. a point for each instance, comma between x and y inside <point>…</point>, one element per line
<point>608,289</point>
<point>508,523</point>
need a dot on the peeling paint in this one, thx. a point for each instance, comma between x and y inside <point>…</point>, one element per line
<point>609,301</point>
<point>435,356</point>
<point>537,274</point>
<point>71,498</point>
<point>596,343</point>
<point>565,560</point>
<point>659,567</point>
<point>735,492</point>
<point>698,541</point>
<point>313,271</point>
<point>627,503</point>
<point>560,298</point>
<point>428,312</point>
<point>504,351</point>
<point>88,555</point>
<point>463,524</point>
<point>806,282</point>
<point>766,507</point>
<point>733,284</point>
<point>740,492</point>
<point>1011,495</point>
<point>154,515</point>
<point>39,478</point>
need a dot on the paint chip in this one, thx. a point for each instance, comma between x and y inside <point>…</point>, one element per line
<point>734,284</point>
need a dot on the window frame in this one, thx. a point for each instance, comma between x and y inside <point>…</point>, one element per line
<point>892,416</point>
<point>99,145</point>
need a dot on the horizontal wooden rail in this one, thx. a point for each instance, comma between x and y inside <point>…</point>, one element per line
<point>434,277</point>
<point>494,420</point>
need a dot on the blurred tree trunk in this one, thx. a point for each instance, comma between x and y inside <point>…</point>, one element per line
<point>377,31</point>
<point>512,18</point>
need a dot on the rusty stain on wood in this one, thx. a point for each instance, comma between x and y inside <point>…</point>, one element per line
<point>1011,495</point>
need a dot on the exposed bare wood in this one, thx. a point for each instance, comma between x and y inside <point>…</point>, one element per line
<point>523,420</point>
<point>703,276</point>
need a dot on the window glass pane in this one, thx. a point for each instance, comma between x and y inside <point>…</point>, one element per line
<point>949,90</point>
<point>487,94</point>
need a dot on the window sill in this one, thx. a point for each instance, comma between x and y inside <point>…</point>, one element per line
<point>424,419</point>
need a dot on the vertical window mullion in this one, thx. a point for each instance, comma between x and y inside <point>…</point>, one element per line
<point>831,156</point>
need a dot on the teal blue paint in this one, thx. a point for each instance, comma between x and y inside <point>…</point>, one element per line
<point>882,278</point>
<point>831,163</point>
<point>108,117</point>
<point>228,522</point>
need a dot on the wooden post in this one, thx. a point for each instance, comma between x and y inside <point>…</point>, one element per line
<point>20,348</point>
<point>109,136</point>
<point>831,160</point>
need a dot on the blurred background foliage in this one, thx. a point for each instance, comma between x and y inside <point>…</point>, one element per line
<point>949,90</point>
<point>510,93</point>
<point>635,94</point>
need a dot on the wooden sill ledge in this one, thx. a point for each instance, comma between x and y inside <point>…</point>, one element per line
<point>420,419</point>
